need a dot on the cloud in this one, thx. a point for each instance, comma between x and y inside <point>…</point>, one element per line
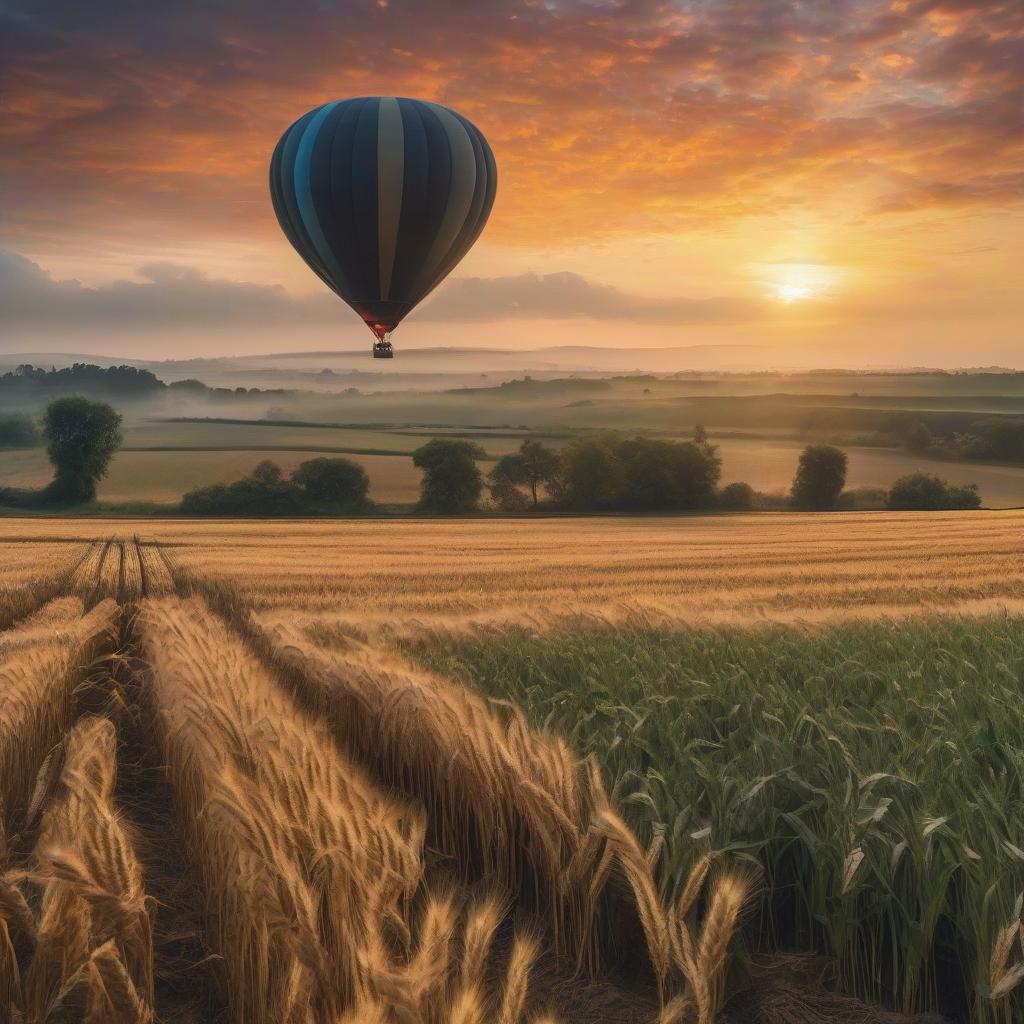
<point>167,295</point>
<point>171,295</point>
<point>571,296</point>
<point>983,191</point>
<point>142,121</point>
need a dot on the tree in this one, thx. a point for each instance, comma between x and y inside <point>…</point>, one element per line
<point>738,497</point>
<point>589,480</point>
<point>820,477</point>
<point>925,492</point>
<point>637,474</point>
<point>532,466</point>
<point>333,481</point>
<point>81,438</point>
<point>451,477</point>
<point>503,482</point>
<point>700,435</point>
<point>665,476</point>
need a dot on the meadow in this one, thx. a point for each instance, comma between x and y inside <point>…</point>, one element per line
<point>747,768</point>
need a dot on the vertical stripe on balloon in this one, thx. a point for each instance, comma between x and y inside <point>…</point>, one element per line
<point>390,177</point>
<point>304,194</point>
<point>460,198</point>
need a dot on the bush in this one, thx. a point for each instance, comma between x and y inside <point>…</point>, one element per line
<point>17,431</point>
<point>338,482</point>
<point>265,492</point>
<point>864,499</point>
<point>820,476</point>
<point>737,497</point>
<point>925,492</point>
<point>612,473</point>
<point>451,478</point>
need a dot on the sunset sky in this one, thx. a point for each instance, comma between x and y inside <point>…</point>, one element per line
<point>840,181</point>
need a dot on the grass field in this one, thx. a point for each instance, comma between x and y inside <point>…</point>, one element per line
<point>165,476</point>
<point>748,768</point>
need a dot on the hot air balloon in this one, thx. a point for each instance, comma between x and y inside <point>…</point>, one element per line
<point>381,197</point>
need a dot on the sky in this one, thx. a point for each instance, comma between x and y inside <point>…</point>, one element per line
<point>841,182</point>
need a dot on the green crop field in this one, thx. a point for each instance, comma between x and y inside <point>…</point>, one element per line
<point>873,771</point>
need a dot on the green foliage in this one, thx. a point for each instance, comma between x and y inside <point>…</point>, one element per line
<point>820,477</point>
<point>81,438</point>
<point>737,497</point>
<point>924,492</point>
<point>451,478</point>
<point>612,473</point>
<point>339,482</point>
<point>18,431</point>
<point>999,440</point>
<point>265,492</point>
<point>533,466</point>
<point>875,771</point>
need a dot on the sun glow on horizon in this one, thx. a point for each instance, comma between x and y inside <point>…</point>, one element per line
<point>788,292</point>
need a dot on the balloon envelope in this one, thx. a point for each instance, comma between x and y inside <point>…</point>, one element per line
<point>381,197</point>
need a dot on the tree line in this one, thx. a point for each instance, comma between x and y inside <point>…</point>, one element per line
<point>986,440</point>
<point>605,473</point>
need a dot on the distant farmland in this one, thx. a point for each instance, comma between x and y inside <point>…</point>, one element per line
<point>175,457</point>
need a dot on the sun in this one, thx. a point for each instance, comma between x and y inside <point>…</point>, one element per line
<point>796,281</point>
<point>788,292</point>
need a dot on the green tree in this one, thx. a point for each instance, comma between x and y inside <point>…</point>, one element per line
<point>666,476</point>
<point>637,474</point>
<point>81,438</point>
<point>451,478</point>
<point>925,492</point>
<point>333,481</point>
<point>700,435</point>
<point>590,476</point>
<point>533,466</point>
<point>503,484</point>
<point>820,477</point>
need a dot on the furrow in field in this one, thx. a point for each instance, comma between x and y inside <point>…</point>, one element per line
<point>154,570</point>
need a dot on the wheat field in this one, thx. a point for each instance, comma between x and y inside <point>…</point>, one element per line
<point>428,772</point>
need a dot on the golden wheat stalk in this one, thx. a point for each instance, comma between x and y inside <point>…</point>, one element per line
<point>301,857</point>
<point>40,662</point>
<point>93,924</point>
